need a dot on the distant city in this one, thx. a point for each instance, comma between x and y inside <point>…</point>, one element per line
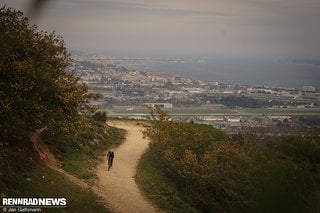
<point>126,93</point>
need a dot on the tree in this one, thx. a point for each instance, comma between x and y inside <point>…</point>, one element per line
<point>100,116</point>
<point>35,89</point>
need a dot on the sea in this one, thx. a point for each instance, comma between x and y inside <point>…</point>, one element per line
<point>275,72</point>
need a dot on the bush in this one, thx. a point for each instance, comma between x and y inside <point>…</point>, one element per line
<point>100,116</point>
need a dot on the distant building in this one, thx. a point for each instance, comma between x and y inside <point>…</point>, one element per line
<point>233,119</point>
<point>212,118</point>
<point>161,105</point>
<point>308,89</point>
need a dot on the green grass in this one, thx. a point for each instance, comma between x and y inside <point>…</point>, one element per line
<point>80,154</point>
<point>43,182</point>
<point>157,188</point>
<point>283,111</point>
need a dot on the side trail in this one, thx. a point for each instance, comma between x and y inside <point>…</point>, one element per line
<point>49,159</point>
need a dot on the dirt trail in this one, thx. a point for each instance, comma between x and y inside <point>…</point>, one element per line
<point>118,186</point>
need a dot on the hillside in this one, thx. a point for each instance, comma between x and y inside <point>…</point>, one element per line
<point>33,171</point>
<point>197,168</point>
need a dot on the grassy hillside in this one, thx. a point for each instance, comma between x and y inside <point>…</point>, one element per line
<point>23,174</point>
<point>213,172</point>
<point>157,187</point>
<point>80,152</point>
<point>43,182</point>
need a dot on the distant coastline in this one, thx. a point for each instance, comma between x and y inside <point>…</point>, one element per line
<point>294,73</point>
<point>268,73</point>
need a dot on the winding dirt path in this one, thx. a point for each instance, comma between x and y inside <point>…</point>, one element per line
<point>118,186</point>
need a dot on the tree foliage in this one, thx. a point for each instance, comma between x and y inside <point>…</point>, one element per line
<point>100,116</point>
<point>244,101</point>
<point>35,89</point>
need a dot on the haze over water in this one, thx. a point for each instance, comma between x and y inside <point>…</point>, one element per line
<point>274,29</point>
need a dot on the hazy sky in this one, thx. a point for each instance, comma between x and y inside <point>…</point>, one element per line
<point>229,28</point>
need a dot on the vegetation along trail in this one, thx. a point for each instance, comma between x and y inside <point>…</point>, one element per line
<point>118,186</point>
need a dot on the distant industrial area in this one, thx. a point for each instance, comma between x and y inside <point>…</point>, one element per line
<point>233,108</point>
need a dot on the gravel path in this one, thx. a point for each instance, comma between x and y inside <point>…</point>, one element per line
<point>118,186</point>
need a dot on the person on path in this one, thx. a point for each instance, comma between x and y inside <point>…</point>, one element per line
<point>110,156</point>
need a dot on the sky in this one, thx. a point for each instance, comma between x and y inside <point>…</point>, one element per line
<point>226,28</point>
